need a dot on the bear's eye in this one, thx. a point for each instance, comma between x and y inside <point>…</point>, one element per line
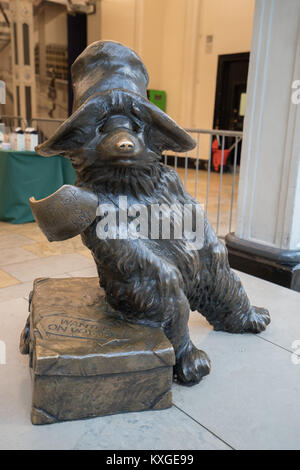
<point>100,126</point>
<point>137,125</point>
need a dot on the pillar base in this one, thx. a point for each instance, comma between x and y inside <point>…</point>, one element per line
<point>272,264</point>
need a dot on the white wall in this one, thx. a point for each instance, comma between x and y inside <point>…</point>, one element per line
<point>52,19</point>
<point>118,21</point>
<point>230,24</point>
<point>137,24</point>
<point>50,28</point>
<point>157,30</point>
<point>170,37</point>
<point>56,25</point>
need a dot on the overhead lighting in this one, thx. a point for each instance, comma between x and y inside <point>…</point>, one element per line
<point>81,6</point>
<point>73,6</point>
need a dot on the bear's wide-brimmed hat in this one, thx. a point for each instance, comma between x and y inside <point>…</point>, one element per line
<point>107,78</point>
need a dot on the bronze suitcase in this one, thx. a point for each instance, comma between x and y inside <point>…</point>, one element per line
<point>86,362</point>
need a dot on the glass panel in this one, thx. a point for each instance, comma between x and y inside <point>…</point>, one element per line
<point>16,44</point>
<point>18,101</point>
<point>26,44</point>
<point>28,104</point>
<point>242,104</point>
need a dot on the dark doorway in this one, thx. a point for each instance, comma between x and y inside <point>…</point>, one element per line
<point>231,94</point>
<point>231,85</point>
<point>77,41</point>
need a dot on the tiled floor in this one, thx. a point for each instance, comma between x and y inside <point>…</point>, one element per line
<point>208,191</point>
<point>25,253</point>
<point>249,401</point>
<point>22,246</point>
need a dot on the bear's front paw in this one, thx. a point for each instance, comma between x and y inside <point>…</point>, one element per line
<point>257,320</point>
<point>253,321</point>
<point>191,366</point>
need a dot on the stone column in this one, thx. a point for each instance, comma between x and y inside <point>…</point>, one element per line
<point>21,15</point>
<point>267,238</point>
<point>94,23</point>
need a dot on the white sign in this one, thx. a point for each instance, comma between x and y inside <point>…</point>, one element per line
<point>2,352</point>
<point>2,92</point>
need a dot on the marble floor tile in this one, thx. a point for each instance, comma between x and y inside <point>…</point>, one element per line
<point>36,236</point>
<point>13,240</point>
<point>214,183</point>
<point>48,267</point>
<point>88,272</point>
<point>7,280</point>
<point>6,227</point>
<point>85,252</point>
<point>15,255</point>
<point>30,230</point>
<point>20,290</point>
<point>46,248</point>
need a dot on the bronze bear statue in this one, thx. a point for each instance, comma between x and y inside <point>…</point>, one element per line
<point>114,139</point>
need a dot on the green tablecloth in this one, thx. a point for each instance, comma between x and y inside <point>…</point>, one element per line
<point>25,174</point>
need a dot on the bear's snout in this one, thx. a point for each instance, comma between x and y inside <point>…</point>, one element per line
<point>120,144</point>
<point>125,145</point>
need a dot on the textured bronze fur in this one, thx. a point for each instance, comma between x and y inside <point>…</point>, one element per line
<point>154,282</point>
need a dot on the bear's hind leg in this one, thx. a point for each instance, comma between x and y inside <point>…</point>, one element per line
<point>156,297</point>
<point>192,364</point>
<point>223,300</point>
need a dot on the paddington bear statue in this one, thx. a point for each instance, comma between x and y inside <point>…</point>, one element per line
<point>114,139</point>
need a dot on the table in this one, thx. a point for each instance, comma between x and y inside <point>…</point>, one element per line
<point>26,174</point>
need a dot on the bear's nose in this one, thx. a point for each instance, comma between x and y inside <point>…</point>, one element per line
<point>124,145</point>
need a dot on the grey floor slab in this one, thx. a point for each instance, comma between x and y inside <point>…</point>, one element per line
<point>283,305</point>
<point>166,429</point>
<point>49,266</point>
<point>16,431</point>
<point>147,430</point>
<point>251,399</point>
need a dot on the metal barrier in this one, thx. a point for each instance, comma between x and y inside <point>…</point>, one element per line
<point>45,127</point>
<point>216,190</point>
<point>11,122</point>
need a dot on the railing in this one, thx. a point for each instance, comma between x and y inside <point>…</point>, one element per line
<point>216,190</point>
<point>45,126</point>
<point>204,177</point>
<point>11,122</point>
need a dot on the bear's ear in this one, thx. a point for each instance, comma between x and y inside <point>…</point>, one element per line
<point>161,140</point>
<point>77,130</point>
<point>164,133</point>
<point>64,142</point>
